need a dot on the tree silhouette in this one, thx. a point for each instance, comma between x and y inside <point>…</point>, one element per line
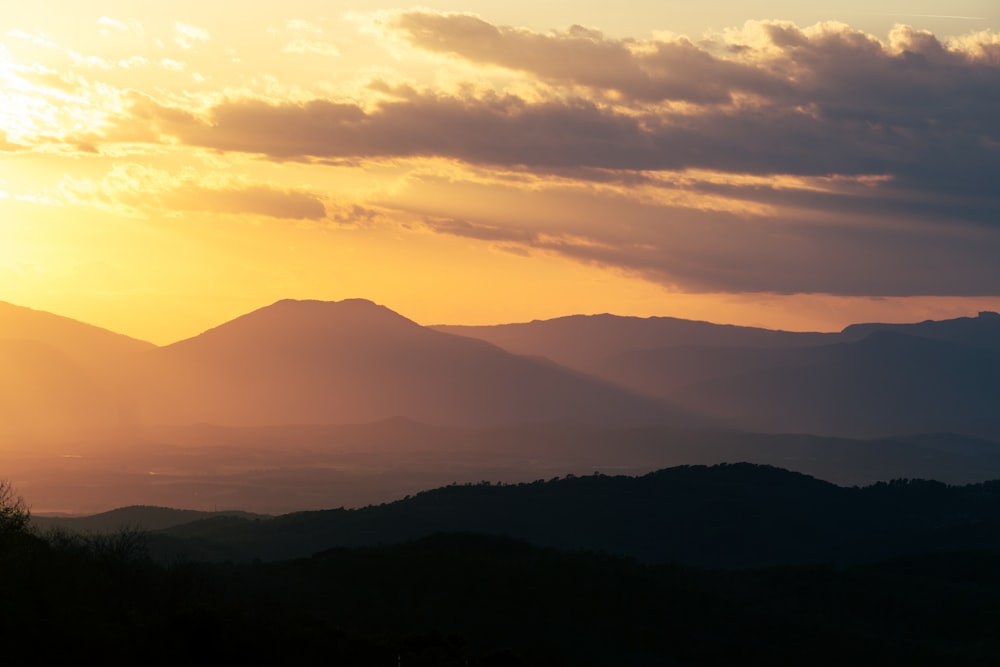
<point>14,513</point>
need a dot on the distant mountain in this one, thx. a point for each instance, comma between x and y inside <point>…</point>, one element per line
<point>871,380</point>
<point>58,377</point>
<point>585,341</point>
<point>312,362</point>
<point>96,350</point>
<point>720,516</point>
<point>354,361</point>
<point>886,384</point>
<point>981,332</point>
<point>44,393</point>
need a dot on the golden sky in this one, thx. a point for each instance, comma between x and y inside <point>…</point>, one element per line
<point>167,166</point>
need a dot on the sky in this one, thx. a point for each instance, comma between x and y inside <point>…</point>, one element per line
<point>165,167</point>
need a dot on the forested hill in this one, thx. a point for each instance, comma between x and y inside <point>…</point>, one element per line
<point>724,515</point>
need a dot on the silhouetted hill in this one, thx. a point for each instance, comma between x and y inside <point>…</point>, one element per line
<point>354,361</point>
<point>981,332</point>
<point>139,517</point>
<point>728,515</point>
<point>477,600</point>
<point>584,341</point>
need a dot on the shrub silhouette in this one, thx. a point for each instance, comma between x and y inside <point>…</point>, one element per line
<point>14,513</point>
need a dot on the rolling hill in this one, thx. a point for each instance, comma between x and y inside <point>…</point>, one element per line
<point>736,515</point>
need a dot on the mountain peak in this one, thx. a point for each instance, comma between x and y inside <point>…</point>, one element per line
<point>312,303</point>
<point>311,318</point>
<point>348,307</point>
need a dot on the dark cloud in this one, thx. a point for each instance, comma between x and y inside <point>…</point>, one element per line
<point>555,134</point>
<point>482,231</point>
<point>733,255</point>
<point>667,70</point>
<point>504,130</point>
<point>957,160</point>
<point>355,216</point>
<point>800,250</point>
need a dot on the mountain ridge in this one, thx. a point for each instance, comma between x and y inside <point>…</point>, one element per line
<point>355,361</point>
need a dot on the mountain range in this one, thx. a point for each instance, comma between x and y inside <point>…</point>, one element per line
<point>300,393</point>
<point>867,381</point>
<point>312,362</point>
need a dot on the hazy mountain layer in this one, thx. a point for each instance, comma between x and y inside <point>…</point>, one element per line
<point>585,341</point>
<point>58,377</point>
<point>353,361</point>
<point>885,384</point>
<point>44,393</point>
<point>872,380</point>
<point>313,362</point>
<point>99,351</point>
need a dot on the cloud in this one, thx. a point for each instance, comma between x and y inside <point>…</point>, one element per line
<point>794,250</point>
<point>188,35</point>
<point>953,157</point>
<point>497,129</point>
<point>253,200</point>
<point>7,146</point>
<point>826,100</point>
<point>307,40</point>
<point>774,158</point>
<point>109,22</point>
<point>132,190</point>
<point>652,71</point>
<point>482,231</point>
<point>303,26</point>
<point>304,47</point>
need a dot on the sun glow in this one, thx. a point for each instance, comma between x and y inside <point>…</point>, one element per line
<point>537,169</point>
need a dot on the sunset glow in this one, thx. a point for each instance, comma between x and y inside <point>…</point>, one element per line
<point>500,333</point>
<point>164,167</point>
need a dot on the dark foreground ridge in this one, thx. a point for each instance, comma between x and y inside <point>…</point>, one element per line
<point>468,599</point>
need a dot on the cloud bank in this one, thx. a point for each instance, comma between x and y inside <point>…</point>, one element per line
<point>774,158</point>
